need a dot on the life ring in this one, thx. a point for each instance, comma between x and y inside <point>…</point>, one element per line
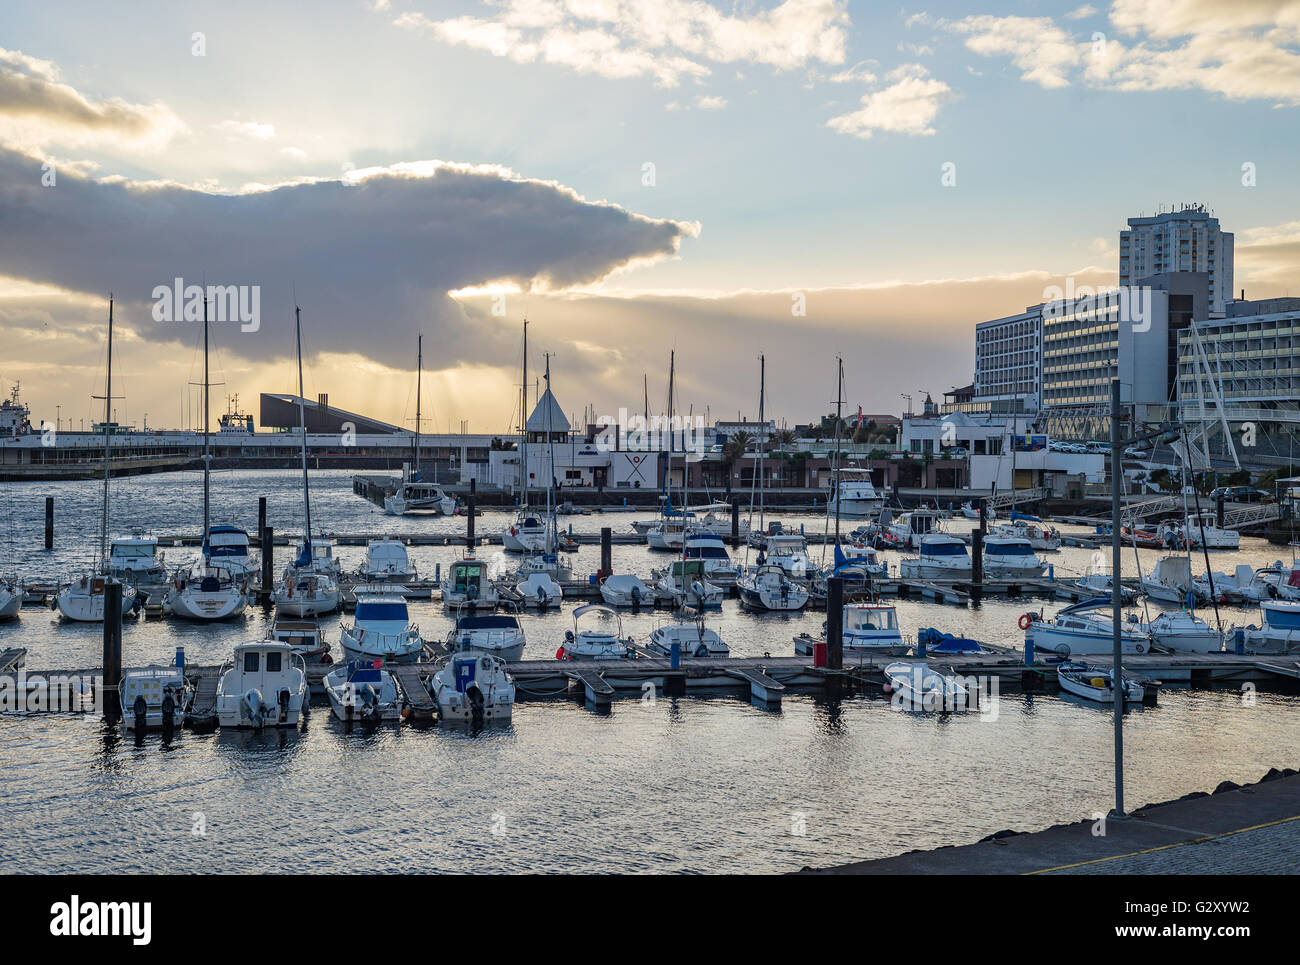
<point>1025,620</point>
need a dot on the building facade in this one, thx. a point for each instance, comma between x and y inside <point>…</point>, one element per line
<point>1008,363</point>
<point>1188,239</point>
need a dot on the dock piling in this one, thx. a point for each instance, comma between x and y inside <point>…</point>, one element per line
<point>835,623</point>
<point>268,563</point>
<point>112,647</point>
<point>735,521</point>
<point>261,515</point>
<point>606,551</point>
<point>470,502</point>
<point>49,522</point>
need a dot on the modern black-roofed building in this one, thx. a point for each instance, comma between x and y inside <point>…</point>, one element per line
<point>281,412</point>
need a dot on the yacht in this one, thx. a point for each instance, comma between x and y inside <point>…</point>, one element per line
<point>685,582</point>
<point>467,584</point>
<point>1243,585</point>
<point>1184,632</point>
<point>1040,535</point>
<point>473,688</point>
<point>304,637</point>
<point>692,639</point>
<point>135,560</point>
<point>669,533</point>
<point>710,550</point>
<point>228,547</point>
<point>153,698</point>
<point>1203,529</point>
<point>604,643</point>
<point>1100,584</point>
<point>913,527</point>
<point>11,599</point>
<point>868,629</point>
<point>1082,628</point>
<point>769,588</point>
<point>499,635</point>
<point>387,562</point>
<point>1284,579</point>
<point>263,685</point>
<point>941,557</point>
<point>852,494</point>
<point>1011,557</point>
<point>83,599</point>
<point>206,592</point>
<point>363,693</point>
<point>381,629</point>
<point>625,589</point>
<point>528,534</point>
<point>1171,581</point>
<point>305,593</point>
<point>321,553</point>
<point>547,564</point>
<point>790,552</point>
<point>417,497</point>
<point>1279,629</point>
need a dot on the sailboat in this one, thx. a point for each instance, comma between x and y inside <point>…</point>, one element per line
<point>305,590</point>
<point>528,533</point>
<point>84,599</point>
<point>211,589</point>
<point>414,494</point>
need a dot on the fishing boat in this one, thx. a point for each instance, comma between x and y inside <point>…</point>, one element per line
<point>692,640</point>
<point>710,550</point>
<point>768,587</point>
<point>867,630</point>
<point>1171,581</point>
<point>625,589</point>
<point>363,693</point>
<point>918,686</point>
<point>387,562</point>
<point>1202,531</point>
<point>1082,628</point>
<point>1011,557</point>
<point>11,599</point>
<point>305,593</point>
<point>1183,632</point>
<point>1097,683</point>
<point>263,685</point>
<point>498,634</point>
<point>1040,535</point>
<point>684,581</point>
<point>153,698</point>
<point>467,584</point>
<point>381,629</point>
<point>1279,630</point>
<point>473,688</point>
<point>940,557</point>
<point>852,494</point>
<point>604,641</point>
<point>304,637</point>
<point>540,590</point>
<point>83,599</point>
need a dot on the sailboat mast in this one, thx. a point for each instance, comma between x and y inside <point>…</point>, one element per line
<point>206,456</point>
<point>835,463</point>
<point>550,451</point>
<point>419,372</point>
<point>108,408</point>
<point>762,430</point>
<point>302,419</point>
<point>523,421</point>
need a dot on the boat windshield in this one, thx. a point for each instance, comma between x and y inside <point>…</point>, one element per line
<point>879,619</point>
<point>944,549</point>
<point>133,551</point>
<point>387,611</point>
<point>1008,549</point>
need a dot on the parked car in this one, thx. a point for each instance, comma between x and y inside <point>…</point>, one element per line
<point>1241,494</point>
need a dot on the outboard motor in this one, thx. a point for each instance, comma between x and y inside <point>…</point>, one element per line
<point>168,710</point>
<point>541,596</point>
<point>141,710</point>
<point>250,707</point>
<point>282,698</point>
<point>636,595</point>
<point>698,589</point>
<point>476,703</point>
<point>369,702</point>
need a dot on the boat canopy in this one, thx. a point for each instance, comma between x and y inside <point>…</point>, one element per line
<point>1084,606</point>
<point>1008,547</point>
<point>381,608</point>
<point>495,622</point>
<point>1016,514</point>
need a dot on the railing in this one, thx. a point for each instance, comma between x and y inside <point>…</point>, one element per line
<point>1019,496</point>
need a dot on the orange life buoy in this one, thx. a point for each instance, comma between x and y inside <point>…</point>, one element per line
<point>1025,620</point>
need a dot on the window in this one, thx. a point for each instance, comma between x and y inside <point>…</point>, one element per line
<point>273,662</point>
<point>251,662</point>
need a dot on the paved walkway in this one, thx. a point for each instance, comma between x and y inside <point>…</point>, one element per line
<point>1250,830</point>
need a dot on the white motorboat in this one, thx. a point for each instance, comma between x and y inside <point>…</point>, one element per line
<point>363,693</point>
<point>971,511</point>
<point>918,686</point>
<point>1040,535</point>
<point>1285,580</point>
<point>547,564</point>
<point>669,533</point>
<point>710,550</point>
<point>692,639</point>
<point>206,592</point>
<point>1202,530</point>
<point>321,551</point>
<point>789,551</point>
<point>263,685</point>
<point>1171,582</point>
<point>305,593</point>
<point>11,599</point>
<point>228,548</point>
<point>498,634</point>
<point>1082,628</point>
<point>1279,630</point>
<point>135,560</point>
<point>1244,585</point>
<point>940,557</point>
<point>83,599</point>
<point>1101,585</point>
<point>418,497</point>
<point>529,533</point>
<point>381,629</point>
<point>387,562</point>
<point>467,584</point>
<point>913,527</point>
<point>473,688</point>
<point>1184,632</point>
<point>768,587</point>
<point>153,698</point>
<point>304,637</point>
<point>684,581</point>
<point>1011,557</point>
<point>1097,683</point>
<point>852,494</point>
<point>626,589</point>
<point>867,630</point>
<point>604,641</point>
<point>540,590</point>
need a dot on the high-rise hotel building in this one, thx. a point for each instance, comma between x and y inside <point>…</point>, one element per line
<point>1188,239</point>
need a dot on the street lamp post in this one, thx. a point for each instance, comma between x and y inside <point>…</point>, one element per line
<point>1116,597</point>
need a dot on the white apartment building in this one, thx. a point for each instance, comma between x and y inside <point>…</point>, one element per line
<point>1188,239</point>
<point>1008,362</point>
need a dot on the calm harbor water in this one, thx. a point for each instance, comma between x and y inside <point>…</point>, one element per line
<point>691,784</point>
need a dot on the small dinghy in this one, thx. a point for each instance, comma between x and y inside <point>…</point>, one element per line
<point>473,688</point>
<point>1096,683</point>
<point>918,686</point>
<point>363,693</point>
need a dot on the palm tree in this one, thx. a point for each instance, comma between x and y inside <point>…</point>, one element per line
<point>785,438</point>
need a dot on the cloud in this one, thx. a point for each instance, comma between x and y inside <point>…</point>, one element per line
<point>1082,13</point>
<point>372,254</point>
<point>710,103</point>
<point>908,105</point>
<point>250,130</point>
<point>666,40</point>
<point>1267,260</point>
<point>294,153</point>
<point>1242,51</point>
<point>38,110</point>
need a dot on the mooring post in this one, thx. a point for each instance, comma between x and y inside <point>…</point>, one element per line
<point>268,563</point>
<point>735,522</point>
<point>112,647</point>
<point>835,623</point>
<point>1218,510</point>
<point>977,564</point>
<point>470,508</point>
<point>606,552</point>
<point>49,522</point>
<point>261,515</point>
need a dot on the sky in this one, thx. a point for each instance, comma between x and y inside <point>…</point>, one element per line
<point>636,177</point>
